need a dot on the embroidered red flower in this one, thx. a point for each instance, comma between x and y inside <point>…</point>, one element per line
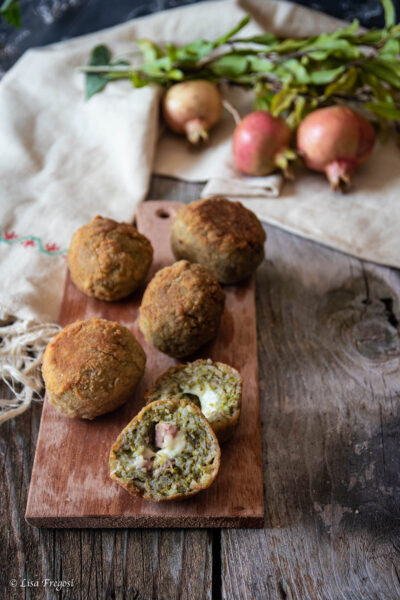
<point>52,247</point>
<point>10,235</point>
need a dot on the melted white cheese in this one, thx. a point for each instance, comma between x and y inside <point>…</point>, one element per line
<point>148,452</point>
<point>138,461</point>
<point>209,401</point>
<point>173,446</point>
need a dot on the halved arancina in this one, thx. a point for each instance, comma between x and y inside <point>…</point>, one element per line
<point>167,452</point>
<point>216,388</point>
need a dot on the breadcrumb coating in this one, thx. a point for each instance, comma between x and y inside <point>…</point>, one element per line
<point>92,367</point>
<point>109,260</point>
<point>220,234</point>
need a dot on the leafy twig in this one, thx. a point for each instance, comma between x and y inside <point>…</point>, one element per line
<point>11,12</point>
<point>290,76</point>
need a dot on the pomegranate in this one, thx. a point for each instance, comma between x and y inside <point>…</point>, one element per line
<point>192,108</point>
<point>335,140</point>
<point>261,144</point>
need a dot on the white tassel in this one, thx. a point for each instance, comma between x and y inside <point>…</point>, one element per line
<point>21,350</point>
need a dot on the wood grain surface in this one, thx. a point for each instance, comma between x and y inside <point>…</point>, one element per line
<point>70,485</point>
<point>328,344</point>
<point>330,388</point>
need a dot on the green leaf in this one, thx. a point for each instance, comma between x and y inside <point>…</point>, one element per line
<point>263,102</point>
<point>138,80</point>
<point>175,75</point>
<point>371,37</point>
<point>384,109</point>
<point>384,70</point>
<point>390,49</point>
<point>149,49</point>
<point>325,76</point>
<point>172,52</point>
<point>298,70</point>
<point>347,31</point>
<point>247,80</point>
<point>194,51</point>
<point>298,113</point>
<point>344,84</point>
<point>95,82</point>
<point>282,100</point>
<point>318,55</point>
<point>100,56</point>
<point>335,47</point>
<point>229,65</point>
<point>390,13</point>
<point>11,12</point>
<point>158,66</point>
<point>283,75</point>
<point>265,39</point>
<point>299,110</point>
<point>222,40</point>
<point>260,65</point>
<point>381,92</point>
<point>289,45</point>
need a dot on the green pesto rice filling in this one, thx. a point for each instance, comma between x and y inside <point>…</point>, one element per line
<point>183,462</point>
<point>214,387</point>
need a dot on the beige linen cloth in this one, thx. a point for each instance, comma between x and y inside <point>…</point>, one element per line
<point>64,160</point>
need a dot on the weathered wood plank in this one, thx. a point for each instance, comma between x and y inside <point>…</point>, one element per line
<point>168,188</point>
<point>329,355</point>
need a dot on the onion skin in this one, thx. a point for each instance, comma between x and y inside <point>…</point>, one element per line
<point>192,108</point>
<point>261,144</point>
<point>335,140</point>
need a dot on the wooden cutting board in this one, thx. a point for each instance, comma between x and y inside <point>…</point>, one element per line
<point>70,486</point>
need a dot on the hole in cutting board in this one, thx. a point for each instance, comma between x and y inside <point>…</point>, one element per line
<point>162,213</point>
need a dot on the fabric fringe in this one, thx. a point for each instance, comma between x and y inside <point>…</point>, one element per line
<point>22,344</point>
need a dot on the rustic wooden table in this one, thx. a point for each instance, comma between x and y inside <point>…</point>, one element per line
<point>329,355</point>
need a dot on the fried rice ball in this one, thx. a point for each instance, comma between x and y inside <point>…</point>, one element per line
<point>216,388</point>
<point>220,234</point>
<point>109,260</point>
<point>181,308</point>
<point>92,367</point>
<point>167,452</point>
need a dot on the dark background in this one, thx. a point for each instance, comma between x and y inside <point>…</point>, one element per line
<point>47,21</point>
